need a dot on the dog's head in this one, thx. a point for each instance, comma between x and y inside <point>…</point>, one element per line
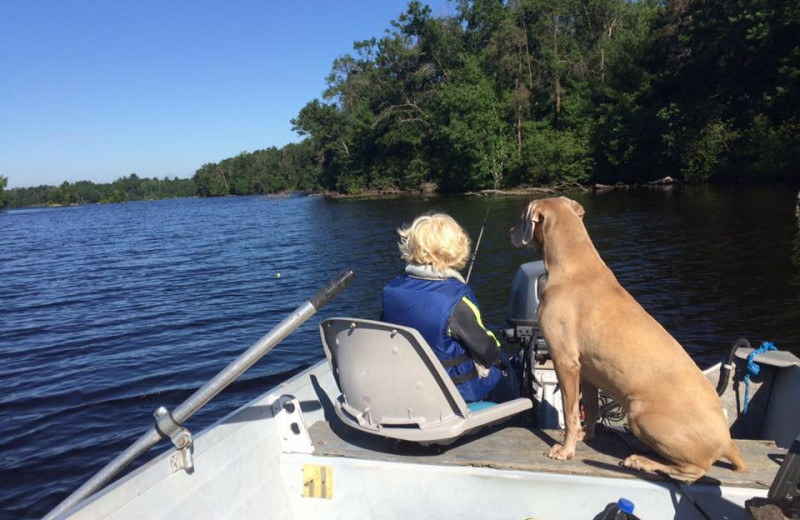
<point>530,230</point>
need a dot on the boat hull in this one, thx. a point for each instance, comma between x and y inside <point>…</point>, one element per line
<point>265,460</point>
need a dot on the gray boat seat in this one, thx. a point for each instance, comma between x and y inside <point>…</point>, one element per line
<point>393,385</point>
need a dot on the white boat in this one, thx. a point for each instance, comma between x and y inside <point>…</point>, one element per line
<point>301,451</point>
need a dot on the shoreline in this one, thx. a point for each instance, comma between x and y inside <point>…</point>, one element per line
<point>520,191</point>
<point>665,183</point>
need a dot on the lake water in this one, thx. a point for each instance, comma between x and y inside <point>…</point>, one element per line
<point>108,312</point>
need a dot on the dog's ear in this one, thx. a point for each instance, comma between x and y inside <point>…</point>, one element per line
<point>535,211</point>
<point>577,208</point>
<point>533,215</point>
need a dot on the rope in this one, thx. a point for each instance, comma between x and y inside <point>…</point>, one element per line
<point>752,368</point>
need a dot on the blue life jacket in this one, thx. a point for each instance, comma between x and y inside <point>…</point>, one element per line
<point>426,305</point>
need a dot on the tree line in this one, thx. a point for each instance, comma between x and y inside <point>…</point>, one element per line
<point>124,189</point>
<point>501,94</point>
<point>291,168</point>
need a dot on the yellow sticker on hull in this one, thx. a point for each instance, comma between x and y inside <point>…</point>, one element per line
<point>317,481</point>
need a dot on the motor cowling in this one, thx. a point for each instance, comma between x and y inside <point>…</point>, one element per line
<point>526,290</point>
<point>527,287</point>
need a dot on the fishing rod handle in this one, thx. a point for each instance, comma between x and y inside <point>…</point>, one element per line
<point>332,290</point>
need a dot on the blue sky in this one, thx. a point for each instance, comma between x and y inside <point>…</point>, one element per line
<point>95,90</point>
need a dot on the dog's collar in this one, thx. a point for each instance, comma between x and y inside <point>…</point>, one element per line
<point>428,272</point>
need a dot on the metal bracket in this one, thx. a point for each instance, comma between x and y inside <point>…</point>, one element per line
<point>291,426</point>
<point>181,438</point>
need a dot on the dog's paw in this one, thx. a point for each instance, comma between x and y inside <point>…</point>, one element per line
<point>633,462</point>
<point>559,452</point>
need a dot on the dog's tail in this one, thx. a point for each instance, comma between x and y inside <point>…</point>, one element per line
<point>733,454</point>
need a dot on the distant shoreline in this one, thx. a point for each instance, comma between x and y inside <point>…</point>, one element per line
<point>665,183</point>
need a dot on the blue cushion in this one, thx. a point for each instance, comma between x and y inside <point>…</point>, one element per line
<point>477,406</point>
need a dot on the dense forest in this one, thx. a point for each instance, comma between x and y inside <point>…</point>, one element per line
<point>272,170</point>
<point>533,92</point>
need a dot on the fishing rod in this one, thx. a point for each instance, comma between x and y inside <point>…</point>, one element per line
<point>497,173</point>
<point>480,235</point>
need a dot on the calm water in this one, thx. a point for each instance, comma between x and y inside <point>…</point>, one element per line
<point>108,312</point>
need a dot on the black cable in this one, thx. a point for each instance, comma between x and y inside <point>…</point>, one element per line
<point>725,371</point>
<point>609,410</point>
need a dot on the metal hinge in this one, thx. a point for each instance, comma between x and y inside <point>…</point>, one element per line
<point>181,438</point>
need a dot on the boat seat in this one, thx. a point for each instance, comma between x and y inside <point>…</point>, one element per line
<point>393,385</point>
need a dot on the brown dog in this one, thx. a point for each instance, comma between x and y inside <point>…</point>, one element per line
<point>598,333</point>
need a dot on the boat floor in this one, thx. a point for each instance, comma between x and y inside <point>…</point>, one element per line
<point>514,447</point>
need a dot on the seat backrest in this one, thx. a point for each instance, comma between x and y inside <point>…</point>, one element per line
<point>388,374</point>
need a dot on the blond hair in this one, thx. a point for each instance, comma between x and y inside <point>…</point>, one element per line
<point>435,239</point>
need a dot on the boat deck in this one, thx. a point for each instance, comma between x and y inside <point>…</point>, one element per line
<point>520,448</point>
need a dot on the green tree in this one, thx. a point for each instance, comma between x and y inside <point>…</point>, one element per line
<point>326,125</point>
<point>475,140</point>
<point>210,181</point>
<point>3,184</point>
<point>732,74</point>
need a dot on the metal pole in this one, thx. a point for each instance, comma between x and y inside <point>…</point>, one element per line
<point>208,391</point>
<point>102,477</point>
<point>202,396</point>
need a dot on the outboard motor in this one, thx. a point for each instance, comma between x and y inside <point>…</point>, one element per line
<point>526,291</point>
<point>539,381</point>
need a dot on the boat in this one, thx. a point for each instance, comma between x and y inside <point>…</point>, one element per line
<point>304,451</point>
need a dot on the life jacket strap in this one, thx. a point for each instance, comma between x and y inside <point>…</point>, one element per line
<point>463,378</point>
<point>456,360</point>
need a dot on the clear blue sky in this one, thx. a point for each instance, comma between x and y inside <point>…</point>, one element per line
<point>98,89</point>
